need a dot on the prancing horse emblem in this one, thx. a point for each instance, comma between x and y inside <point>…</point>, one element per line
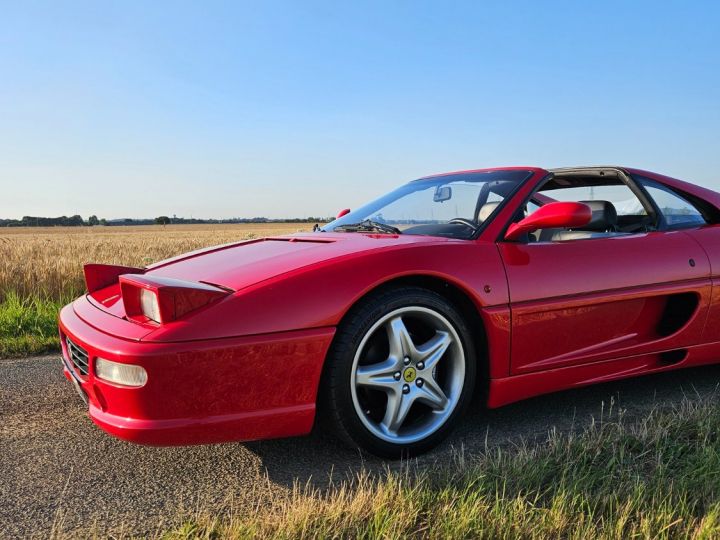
<point>409,374</point>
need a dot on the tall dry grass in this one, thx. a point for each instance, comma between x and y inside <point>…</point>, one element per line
<point>46,263</point>
<point>658,477</point>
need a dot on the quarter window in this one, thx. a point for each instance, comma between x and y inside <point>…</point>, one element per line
<point>677,211</point>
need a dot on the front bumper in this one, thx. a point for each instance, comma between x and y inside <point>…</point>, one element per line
<point>199,392</point>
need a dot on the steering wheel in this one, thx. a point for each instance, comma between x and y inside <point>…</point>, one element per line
<point>466,222</point>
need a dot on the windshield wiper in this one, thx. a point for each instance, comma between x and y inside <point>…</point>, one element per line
<point>368,225</point>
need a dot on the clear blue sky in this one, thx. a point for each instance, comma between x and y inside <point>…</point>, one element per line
<point>221,109</point>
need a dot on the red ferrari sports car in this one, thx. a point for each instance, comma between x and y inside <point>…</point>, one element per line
<point>506,283</point>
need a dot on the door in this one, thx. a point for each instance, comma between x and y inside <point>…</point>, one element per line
<point>607,291</point>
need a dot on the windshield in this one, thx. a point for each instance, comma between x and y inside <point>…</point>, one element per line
<point>454,205</point>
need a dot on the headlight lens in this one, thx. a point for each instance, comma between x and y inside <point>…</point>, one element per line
<point>149,305</point>
<point>115,372</point>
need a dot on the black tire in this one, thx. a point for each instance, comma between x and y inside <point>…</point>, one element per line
<point>338,411</point>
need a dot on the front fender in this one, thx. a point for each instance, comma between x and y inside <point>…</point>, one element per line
<point>319,295</point>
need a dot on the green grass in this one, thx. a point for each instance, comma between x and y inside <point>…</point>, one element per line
<point>658,478</point>
<point>28,326</point>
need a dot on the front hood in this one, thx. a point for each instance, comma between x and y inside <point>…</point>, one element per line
<point>241,265</point>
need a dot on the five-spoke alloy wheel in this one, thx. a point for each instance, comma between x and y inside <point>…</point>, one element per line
<point>400,373</point>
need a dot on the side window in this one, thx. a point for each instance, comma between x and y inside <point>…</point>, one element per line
<point>616,210</point>
<point>622,198</point>
<point>677,211</point>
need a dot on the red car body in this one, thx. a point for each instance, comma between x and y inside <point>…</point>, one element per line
<point>248,365</point>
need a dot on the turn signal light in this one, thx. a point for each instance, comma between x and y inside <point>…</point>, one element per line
<point>124,374</point>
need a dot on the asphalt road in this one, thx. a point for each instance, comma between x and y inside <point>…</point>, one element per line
<point>58,472</point>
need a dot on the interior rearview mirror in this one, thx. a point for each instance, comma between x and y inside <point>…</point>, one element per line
<point>551,215</point>
<point>442,194</point>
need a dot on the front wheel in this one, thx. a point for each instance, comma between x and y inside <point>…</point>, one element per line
<point>400,373</point>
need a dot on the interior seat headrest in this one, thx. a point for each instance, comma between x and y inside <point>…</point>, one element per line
<point>604,216</point>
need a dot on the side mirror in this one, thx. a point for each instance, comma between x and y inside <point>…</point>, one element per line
<point>341,213</point>
<point>552,215</point>
<point>442,194</point>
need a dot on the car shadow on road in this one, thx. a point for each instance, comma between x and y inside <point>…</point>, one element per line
<point>318,459</point>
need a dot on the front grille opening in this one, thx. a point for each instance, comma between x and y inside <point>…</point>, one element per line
<point>78,356</point>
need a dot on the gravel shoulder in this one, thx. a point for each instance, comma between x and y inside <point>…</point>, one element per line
<point>58,472</point>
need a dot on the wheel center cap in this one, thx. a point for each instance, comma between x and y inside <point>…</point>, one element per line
<point>409,374</point>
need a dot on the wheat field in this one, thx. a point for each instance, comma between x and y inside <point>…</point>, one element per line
<point>46,262</point>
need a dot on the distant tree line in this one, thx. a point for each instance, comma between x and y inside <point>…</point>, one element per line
<point>78,221</point>
<point>62,221</point>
